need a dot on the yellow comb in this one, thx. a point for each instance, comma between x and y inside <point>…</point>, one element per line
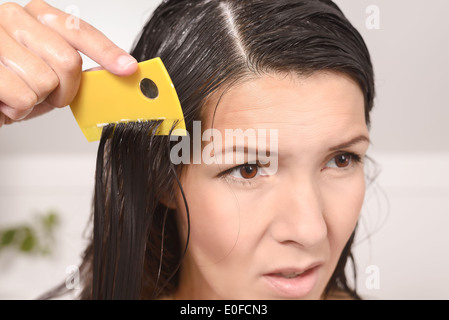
<point>148,94</point>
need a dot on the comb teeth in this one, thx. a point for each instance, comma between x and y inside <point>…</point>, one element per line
<point>104,98</point>
<point>150,126</point>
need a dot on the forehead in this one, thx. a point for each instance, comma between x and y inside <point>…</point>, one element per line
<point>314,103</point>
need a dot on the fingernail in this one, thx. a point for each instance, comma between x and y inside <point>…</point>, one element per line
<point>125,61</point>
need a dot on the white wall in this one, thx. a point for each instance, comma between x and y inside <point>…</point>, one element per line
<point>403,229</point>
<point>46,163</point>
<point>34,184</point>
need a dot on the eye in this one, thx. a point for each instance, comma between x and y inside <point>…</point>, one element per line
<point>246,171</point>
<point>343,160</point>
<point>248,175</point>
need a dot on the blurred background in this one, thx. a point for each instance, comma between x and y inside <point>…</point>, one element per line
<point>402,246</point>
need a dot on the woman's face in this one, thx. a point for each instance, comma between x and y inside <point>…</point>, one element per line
<point>277,230</point>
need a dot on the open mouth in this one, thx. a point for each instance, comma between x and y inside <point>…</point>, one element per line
<point>288,275</point>
<point>293,283</point>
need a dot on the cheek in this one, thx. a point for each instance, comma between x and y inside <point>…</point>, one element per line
<point>214,217</point>
<point>343,203</point>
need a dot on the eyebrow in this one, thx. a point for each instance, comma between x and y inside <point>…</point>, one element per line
<point>344,145</point>
<point>350,143</point>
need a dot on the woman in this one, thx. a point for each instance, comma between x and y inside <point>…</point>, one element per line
<point>276,228</point>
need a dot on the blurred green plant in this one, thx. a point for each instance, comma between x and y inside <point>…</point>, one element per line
<point>36,237</point>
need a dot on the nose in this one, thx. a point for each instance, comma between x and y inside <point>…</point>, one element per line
<point>298,217</point>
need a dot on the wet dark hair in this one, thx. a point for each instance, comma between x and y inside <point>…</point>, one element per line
<point>136,250</point>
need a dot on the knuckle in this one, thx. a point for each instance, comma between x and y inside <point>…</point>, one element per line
<point>58,99</point>
<point>49,81</point>
<point>70,62</point>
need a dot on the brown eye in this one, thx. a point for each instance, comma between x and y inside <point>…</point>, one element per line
<point>248,171</point>
<point>343,160</point>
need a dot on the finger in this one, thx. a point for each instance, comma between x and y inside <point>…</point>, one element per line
<point>31,69</point>
<point>84,38</point>
<point>14,114</point>
<point>18,99</point>
<point>38,110</point>
<point>49,46</point>
<point>3,119</point>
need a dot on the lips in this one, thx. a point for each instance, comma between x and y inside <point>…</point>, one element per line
<point>293,282</point>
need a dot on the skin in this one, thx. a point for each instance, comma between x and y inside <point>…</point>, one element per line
<point>302,214</point>
<point>40,61</point>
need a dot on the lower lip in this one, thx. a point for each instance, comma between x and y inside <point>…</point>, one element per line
<point>297,287</point>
